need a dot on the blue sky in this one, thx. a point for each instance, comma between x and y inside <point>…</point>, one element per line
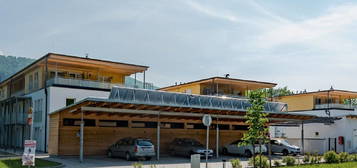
<point>301,44</point>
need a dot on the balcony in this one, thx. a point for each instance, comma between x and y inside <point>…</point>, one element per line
<point>80,83</point>
<point>336,106</point>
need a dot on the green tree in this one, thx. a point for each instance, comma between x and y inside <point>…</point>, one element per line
<point>257,121</point>
<point>276,92</point>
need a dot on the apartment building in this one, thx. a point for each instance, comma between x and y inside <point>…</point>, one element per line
<point>338,105</point>
<point>52,82</point>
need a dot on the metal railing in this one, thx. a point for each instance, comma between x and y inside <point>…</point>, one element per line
<point>80,83</point>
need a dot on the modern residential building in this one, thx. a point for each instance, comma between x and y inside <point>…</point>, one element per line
<point>75,107</point>
<point>339,135</point>
<point>52,82</point>
<point>219,86</point>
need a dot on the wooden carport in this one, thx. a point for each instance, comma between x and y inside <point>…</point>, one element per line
<point>95,140</point>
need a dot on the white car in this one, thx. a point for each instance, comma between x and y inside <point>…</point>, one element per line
<point>282,146</point>
<point>234,148</point>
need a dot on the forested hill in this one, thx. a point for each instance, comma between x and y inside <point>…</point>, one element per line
<point>10,65</point>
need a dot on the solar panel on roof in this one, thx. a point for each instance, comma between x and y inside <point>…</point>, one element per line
<point>154,97</point>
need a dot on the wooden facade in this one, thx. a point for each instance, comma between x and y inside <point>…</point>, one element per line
<point>64,139</point>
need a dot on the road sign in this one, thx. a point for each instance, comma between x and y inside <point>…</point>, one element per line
<point>29,117</point>
<point>28,158</point>
<point>207,120</point>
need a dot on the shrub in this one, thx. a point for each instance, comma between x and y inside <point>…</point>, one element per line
<point>307,158</point>
<point>235,163</point>
<point>152,166</point>
<point>277,163</point>
<point>289,160</point>
<point>315,158</point>
<point>331,157</point>
<point>265,163</point>
<point>352,157</point>
<point>343,157</point>
<point>137,165</point>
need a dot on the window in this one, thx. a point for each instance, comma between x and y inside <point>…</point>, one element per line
<point>77,122</point>
<point>30,82</point>
<point>38,110</point>
<point>172,125</point>
<point>239,127</point>
<point>113,123</point>
<point>36,81</point>
<point>70,101</point>
<point>196,126</point>
<point>143,124</point>
<point>220,126</point>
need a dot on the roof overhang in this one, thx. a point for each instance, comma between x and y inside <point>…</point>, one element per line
<point>250,84</point>
<point>328,93</point>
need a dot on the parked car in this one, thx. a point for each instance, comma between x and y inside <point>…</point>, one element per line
<point>282,146</point>
<point>132,148</point>
<point>247,150</point>
<point>187,147</point>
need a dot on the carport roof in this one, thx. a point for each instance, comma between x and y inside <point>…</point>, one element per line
<point>151,102</point>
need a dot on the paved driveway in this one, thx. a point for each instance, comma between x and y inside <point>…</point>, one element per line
<point>165,162</point>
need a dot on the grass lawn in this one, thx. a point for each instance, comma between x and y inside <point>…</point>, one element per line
<point>16,163</point>
<point>339,165</point>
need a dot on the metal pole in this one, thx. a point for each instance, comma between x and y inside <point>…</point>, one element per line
<point>269,151</point>
<point>302,139</point>
<point>207,141</point>
<point>81,139</point>
<point>217,140</point>
<point>144,81</point>
<point>158,137</point>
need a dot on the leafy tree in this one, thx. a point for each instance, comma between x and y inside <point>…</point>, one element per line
<point>276,92</point>
<point>257,121</point>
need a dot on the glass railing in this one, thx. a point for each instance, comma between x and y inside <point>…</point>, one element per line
<point>161,98</point>
<point>335,105</point>
<point>80,83</point>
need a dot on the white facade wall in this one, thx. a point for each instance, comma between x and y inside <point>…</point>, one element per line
<point>316,135</point>
<point>56,100</point>
<point>58,96</point>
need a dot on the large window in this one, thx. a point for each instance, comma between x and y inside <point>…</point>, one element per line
<point>36,81</point>
<point>38,110</point>
<point>30,82</point>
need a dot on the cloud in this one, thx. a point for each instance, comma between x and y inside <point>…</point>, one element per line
<point>309,31</point>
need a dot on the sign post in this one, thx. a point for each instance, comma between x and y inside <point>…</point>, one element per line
<point>207,121</point>
<point>28,158</point>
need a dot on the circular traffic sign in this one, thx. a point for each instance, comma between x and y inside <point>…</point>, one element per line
<point>207,120</point>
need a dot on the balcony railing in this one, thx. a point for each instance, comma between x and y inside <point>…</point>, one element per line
<point>333,105</point>
<point>80,83</point>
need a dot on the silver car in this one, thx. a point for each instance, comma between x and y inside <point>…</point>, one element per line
<point>132,148</point>
<point>282,146</point>
<point>187,147</point>
<point>234,148</point>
